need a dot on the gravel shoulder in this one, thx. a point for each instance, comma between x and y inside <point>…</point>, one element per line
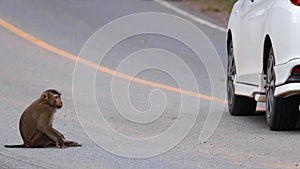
<point>211,10</point>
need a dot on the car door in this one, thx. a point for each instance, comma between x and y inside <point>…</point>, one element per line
<point>249,57</point>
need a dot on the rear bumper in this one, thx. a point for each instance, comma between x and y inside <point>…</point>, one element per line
<point>288,84</point>
<point>283,71</point>
<point>287,90</point>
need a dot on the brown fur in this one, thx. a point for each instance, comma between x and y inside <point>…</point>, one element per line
<point>36,123</point>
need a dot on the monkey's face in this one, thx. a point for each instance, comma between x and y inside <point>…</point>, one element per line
<point>52,98</point>
<point>57,101</point>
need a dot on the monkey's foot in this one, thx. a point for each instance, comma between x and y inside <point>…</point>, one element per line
<point>72,144</point>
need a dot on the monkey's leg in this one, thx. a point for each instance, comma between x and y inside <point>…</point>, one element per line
<point>40,140</point>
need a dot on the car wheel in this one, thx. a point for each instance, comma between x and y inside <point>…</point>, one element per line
<point>237,105</point>
<point>281,113</point>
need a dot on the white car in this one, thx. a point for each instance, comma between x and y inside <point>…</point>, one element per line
<point>263,43</point>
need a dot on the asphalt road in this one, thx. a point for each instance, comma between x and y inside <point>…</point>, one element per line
<point>144,138</point>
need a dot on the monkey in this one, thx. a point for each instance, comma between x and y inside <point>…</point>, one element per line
<point>35,124</point>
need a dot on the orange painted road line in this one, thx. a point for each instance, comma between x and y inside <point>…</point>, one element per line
<point>88,63</point>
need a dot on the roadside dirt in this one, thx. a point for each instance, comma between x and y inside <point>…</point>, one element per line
<point>213,9</point>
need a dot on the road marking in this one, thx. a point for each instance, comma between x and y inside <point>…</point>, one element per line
<point>193,17</point>
<point>88,63</point>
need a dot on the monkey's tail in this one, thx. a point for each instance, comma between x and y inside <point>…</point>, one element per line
<point>14,146</point>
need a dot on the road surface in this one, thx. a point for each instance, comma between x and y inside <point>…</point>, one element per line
<point>39,44</point>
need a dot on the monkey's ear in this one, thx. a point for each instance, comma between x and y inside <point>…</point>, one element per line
<point>45,96</point>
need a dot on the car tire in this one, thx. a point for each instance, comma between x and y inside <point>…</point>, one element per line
<point>237,105</point>
<point>281,113</point>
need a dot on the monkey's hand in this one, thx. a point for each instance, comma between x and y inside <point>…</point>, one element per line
<point>72,144</point>
<point>61,145</point>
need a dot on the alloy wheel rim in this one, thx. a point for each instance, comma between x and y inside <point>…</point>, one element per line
<point>270,86</point>
<point>231,73</point>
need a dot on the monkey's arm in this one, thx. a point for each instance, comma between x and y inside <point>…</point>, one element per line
<point>59,133</point>
<point>43,126</point>
<point>68,143</point>
<point>51,133</point>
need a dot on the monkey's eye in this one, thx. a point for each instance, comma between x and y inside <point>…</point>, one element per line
<point>55,97</point>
